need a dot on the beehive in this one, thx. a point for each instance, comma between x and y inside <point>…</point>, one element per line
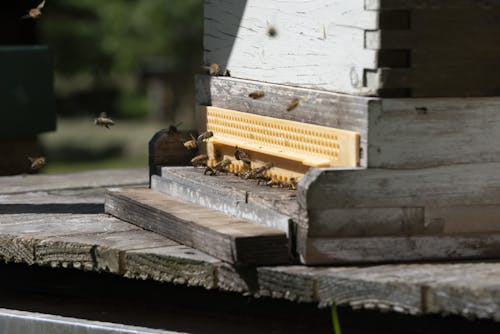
<point>397,161</point>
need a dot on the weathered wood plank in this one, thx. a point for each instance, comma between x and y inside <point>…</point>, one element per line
<point>231,239</point>
<point>445,186</point>
<point>176,264</point>
<point>231,195</point>
<point>80,180</point>
<point>417,133</point>
<point>314,251</point>
<point>20,233</point>
<point>96,251</point>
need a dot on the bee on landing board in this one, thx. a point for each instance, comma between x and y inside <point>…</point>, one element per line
<point>191,144</point>
<point>219,167</point>
<point>257,94</point>
<point>35,13</point>
<point>292,105</point>
<point>239,154</point>
<point>200,160</point>
<point>37,163</point>
<point>104,120</point>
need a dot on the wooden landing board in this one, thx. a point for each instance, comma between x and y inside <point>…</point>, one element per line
<point>230,239</point>
<point>230,194</point>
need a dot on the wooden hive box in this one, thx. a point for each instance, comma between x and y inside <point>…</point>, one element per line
<point>362,47</point>
<point>417,180</point>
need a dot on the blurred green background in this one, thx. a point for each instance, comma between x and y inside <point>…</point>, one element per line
<point>134,60</point>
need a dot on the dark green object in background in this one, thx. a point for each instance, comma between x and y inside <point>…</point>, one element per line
<point>27,105</point>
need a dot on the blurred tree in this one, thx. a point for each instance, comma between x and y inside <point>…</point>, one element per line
<point>101,47</point>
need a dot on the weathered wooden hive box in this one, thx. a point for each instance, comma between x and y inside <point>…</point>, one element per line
<point>384,110</point>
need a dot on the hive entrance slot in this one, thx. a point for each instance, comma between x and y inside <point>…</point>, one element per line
<point>293,147</point>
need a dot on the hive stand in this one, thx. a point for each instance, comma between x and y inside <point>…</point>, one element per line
<point>420,180</point>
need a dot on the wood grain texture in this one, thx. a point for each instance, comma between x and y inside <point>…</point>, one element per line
<point>319,44</point>
<point>453,185</point>
<point>417,133</point>
<point>468,289</point>
<point>80,180</point>
<point>316,251</point>
<point>231,195</point>
<point>230,239</point>
<point>374,47</point>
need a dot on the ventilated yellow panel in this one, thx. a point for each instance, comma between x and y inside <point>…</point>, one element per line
<point>292,146</point>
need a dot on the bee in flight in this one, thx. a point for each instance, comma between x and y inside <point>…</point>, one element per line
<point>200,160</point>
<point>35,13</point>
<point>37,163</point>
<point>104,120</point>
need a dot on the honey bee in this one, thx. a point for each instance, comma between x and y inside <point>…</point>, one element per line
<point>292,183</point>
<point>271,31</point>
<point>212,69</point>
<point>205,135</point>
<point>219,167</point>
<point>37,163</point>
<point>104,120</point>
<point>200,160</point>
<point>257,94</point>
<point>191,144</point>
<point>258,173</point>
<point>293,104</point>
<point>239,154</point>
<point>35,13</point>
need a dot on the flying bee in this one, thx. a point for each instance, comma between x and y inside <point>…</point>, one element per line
<point>219,167</point>
<point>293,104</point>
<point>104,120</point>
<point>35,13</point>
<point>257,94</point>
<point>37,163</point>
<point>212,69</point>
<point>200,160</point>
<point>191,144</point>
<point>271,31</point>
<point>205,135</point>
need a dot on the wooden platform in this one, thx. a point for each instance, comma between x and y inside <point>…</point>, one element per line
<point>63,225</point>
<point>230,239</point>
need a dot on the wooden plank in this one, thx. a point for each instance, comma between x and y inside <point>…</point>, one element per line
<point>176,264</point>
<point>96,251</point>
<point>80,180</point>
<point>19,233</point>
<point>318,44</point>
<point>417,133</point>
<point>294,283</point>
<point>230,239</point>
<point>315,251</point>
<point>454,185</point>
<point>231,195</point>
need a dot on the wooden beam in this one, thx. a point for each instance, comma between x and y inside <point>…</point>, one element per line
<point>227,238</point>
